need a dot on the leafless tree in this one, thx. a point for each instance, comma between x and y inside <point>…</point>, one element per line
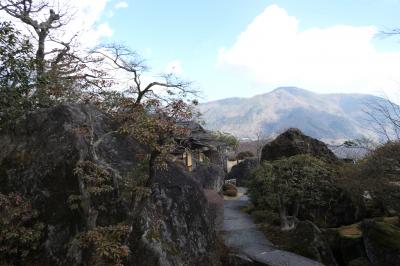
<point>60,69</point>
<point>261,140</point>
<point>121,58</point>
<point>383,116</point>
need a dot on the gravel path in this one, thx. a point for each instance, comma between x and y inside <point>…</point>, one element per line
<point>241,234</point>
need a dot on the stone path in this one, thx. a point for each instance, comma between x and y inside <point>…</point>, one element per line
<point>241,234</point>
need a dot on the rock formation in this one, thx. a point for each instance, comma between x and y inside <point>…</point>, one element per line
<point>50,160</point>
<point>210,176</point>
<point>293,142</point>
<point>382,242</point>
<point>242,172</point>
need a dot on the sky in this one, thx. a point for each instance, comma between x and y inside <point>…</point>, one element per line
<point>241,48</point>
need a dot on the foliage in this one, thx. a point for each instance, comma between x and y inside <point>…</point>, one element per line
<point>244,154</point>
<point>265,216</point>
<point>296,187</point>
<point>105,245</point>
<point>379,174</point>
<point>228,139</point>
<point>154,124</point>
<point>296,178</point>
<point>17,64</point>
<point>20,230</point>
<point>97,181</point>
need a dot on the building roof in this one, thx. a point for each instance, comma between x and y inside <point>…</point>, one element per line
<point>349,152</point>
<point>199,137</point>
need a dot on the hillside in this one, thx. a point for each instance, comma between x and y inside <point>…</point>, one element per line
<point>330,117</point>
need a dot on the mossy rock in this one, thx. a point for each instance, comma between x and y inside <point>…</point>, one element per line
<point>346,242</point>
<point>230,192</point>
<point>305,240</point>
<point>382,242</point>
<point>352,231</point>
<point>362,261</point>
<point>229,186</point>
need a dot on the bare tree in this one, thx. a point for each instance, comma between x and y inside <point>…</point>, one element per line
<point>61,70</point>
<point>384,117</point>
<point>121,58</point>
<point>261,140</point>
<point>29,12</point>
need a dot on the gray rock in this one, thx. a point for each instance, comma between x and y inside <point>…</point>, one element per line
<point>294,142</point>
<point>243,171</point>
<point>309,239</point>
<point>172,226</point>
<point>210,176</point>
<point>382,242</point>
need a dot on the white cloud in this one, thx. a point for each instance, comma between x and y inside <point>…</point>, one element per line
<point>122,4</point>
<point>274,52</point>
<point>92,37</point>
<point>86,20</point>
<point>174,67</point>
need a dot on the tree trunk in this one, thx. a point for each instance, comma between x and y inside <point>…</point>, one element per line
<point>40,62</point>
<point>286,225</point>
<point>152,167</point>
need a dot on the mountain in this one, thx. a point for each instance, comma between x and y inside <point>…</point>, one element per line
<point>329,117</point>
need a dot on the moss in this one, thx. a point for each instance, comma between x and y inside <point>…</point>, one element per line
<point>171,249</point>
<point>352,231</point>
<point>385,234</point>
<point>389,220</point>
<point>360,262</point>
<point>153,234</point>
<point>287,240</point>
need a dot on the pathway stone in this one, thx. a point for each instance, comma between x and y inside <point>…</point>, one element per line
<point>241,235</point>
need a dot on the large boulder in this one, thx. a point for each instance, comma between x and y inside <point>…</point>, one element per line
<point>382,242</point>
<point>293,142</point>
<point>243,171</point>
<point>177,226</point>
<point>347,244</point>
<point>307,240</point>
<point>71,178</point>
<point>210,176</point>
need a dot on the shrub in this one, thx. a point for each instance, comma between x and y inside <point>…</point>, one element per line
<point>20,231</point>
<point>297,177</point>
<point>302,186</point>
<point>379,174</point>
<point>265,216</point>
<point>229,190</point>
<point>230,193</point>
<point>106,245</point>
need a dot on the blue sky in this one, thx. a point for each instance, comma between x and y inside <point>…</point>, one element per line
<point>189,35</point>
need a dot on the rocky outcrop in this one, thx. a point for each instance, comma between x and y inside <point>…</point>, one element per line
<point>307,240</point>
<point>293,142</point>
<point>176,225</point>
<point>243,171</point>
<point>78,174</point>
<point>342,210</point>
<point>347,244</point>
<point>210,176</point>
<point>382,242</point>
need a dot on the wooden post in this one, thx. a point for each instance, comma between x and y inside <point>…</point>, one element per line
<point>189,162</point>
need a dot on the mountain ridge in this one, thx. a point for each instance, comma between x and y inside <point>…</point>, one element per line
<point>332,117</point>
